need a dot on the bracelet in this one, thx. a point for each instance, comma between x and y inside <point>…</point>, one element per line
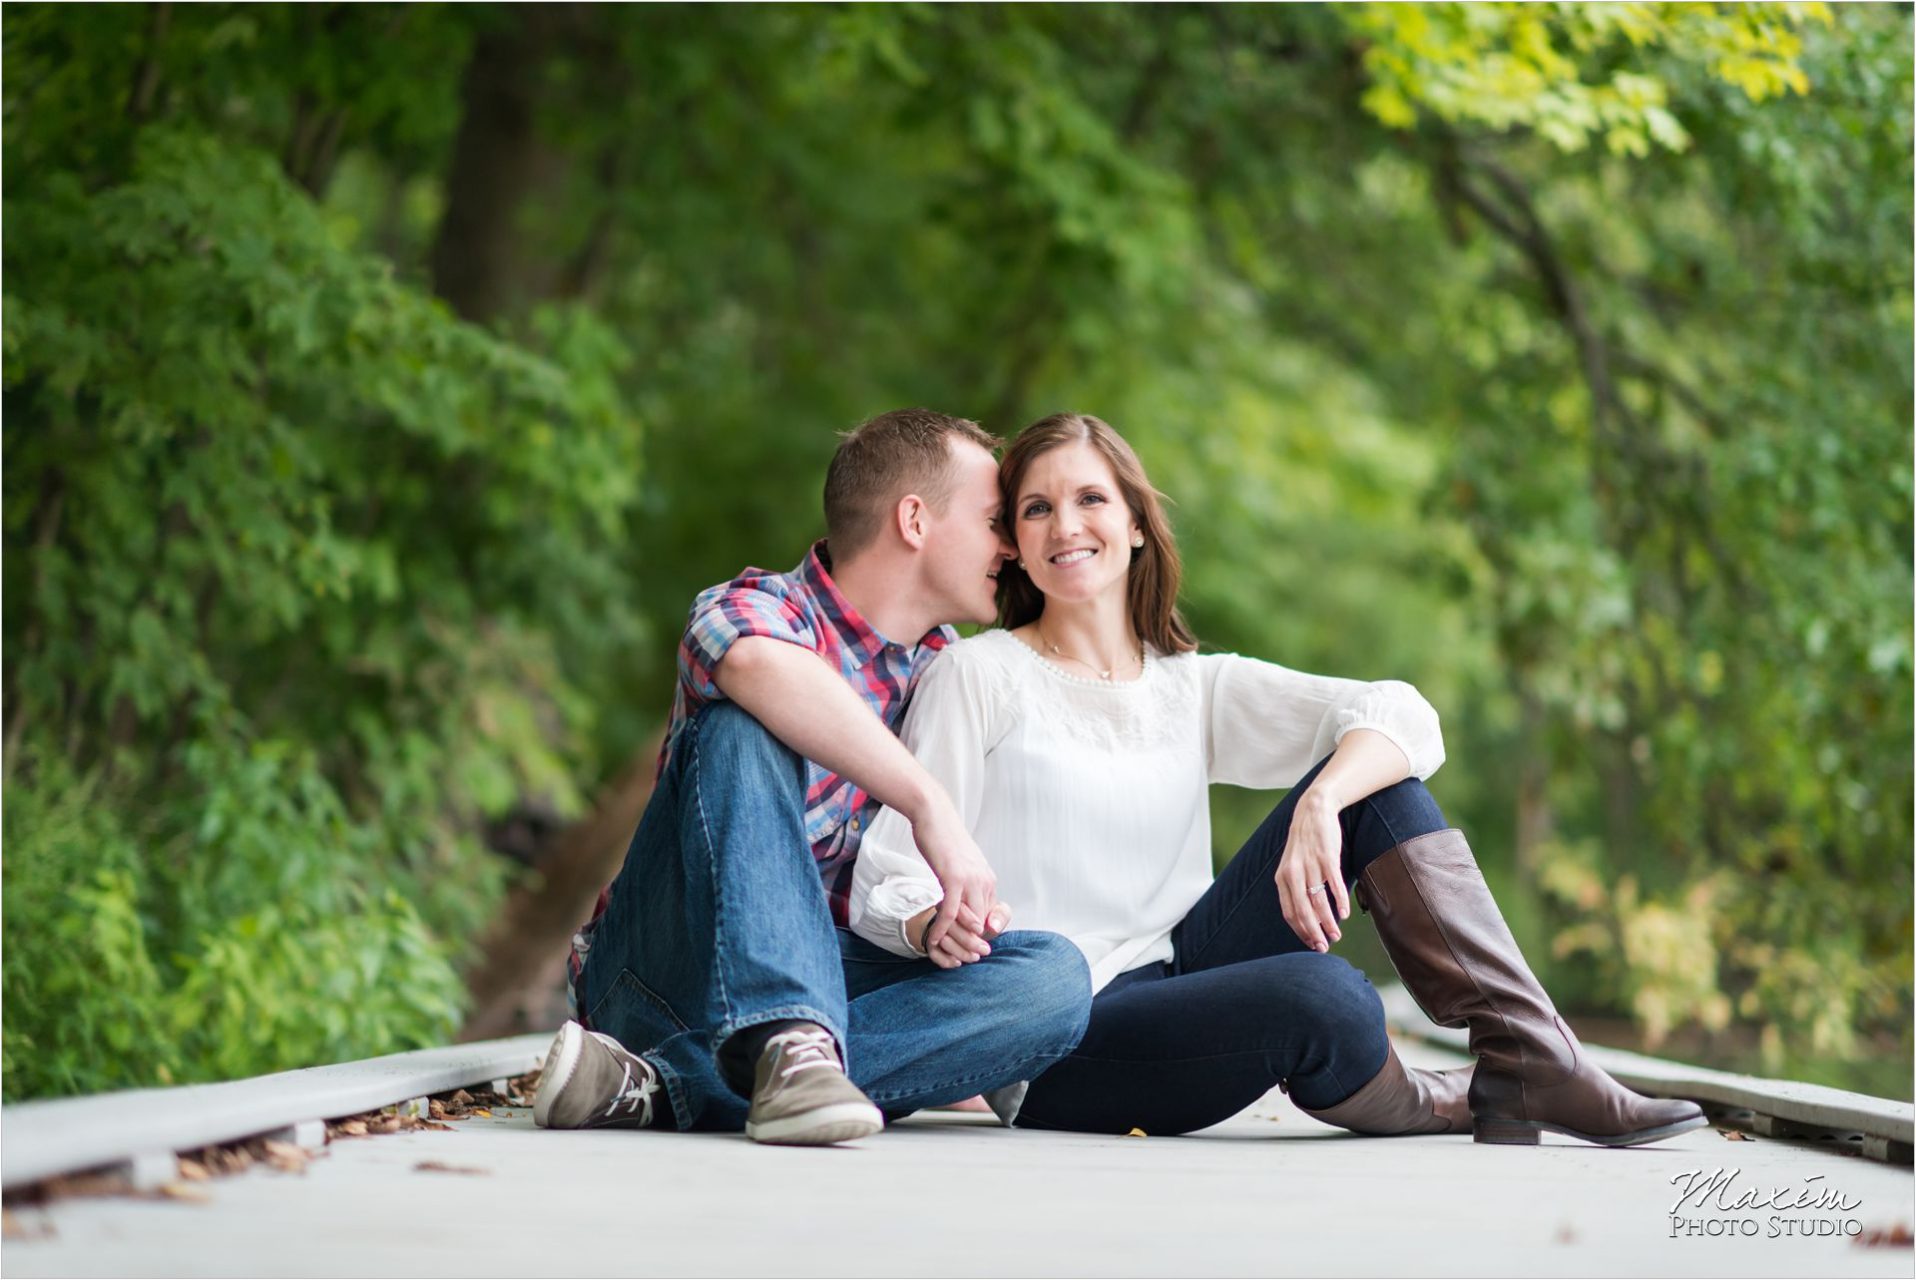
<point>924,939</point>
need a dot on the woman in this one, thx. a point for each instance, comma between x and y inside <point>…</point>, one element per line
<point>1078,742</point>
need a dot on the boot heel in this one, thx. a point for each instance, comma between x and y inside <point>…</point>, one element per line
<point>1506,1133</point>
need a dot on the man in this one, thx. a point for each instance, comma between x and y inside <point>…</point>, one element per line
<point>718,967</point>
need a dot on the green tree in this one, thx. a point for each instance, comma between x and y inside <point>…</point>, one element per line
<point>1553,357</point>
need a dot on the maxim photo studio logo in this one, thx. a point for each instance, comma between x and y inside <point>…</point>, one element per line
<point>1712,1203</point>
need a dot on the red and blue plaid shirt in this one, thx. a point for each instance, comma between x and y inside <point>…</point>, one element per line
<point>805,608</point>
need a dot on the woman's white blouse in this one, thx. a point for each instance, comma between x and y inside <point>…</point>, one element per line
<point>1089,798</point>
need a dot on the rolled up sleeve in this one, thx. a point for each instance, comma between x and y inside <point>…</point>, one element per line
<point>723,616</point>
<point>1266,725</point>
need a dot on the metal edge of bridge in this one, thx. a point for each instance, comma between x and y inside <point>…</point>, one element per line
<point>1778,1108</point>
<point>40,1140</point>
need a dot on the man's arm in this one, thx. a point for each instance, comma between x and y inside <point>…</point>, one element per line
<point>809,707</point>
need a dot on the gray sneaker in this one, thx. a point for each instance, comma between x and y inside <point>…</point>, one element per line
<point>801,1095</point>
<point>591,1081</point>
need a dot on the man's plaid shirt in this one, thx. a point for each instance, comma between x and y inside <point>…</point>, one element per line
<point>805,608</point>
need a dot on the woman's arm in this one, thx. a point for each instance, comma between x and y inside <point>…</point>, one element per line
<point>948,728</point>
<point>1266,726</point>
<point>1364,763</point>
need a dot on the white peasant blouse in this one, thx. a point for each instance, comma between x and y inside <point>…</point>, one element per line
<point>1089,798</point>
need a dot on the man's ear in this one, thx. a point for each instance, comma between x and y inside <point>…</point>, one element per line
<point>911,516</point>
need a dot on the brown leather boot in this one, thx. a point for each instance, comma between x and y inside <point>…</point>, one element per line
<point>1443,931</point>
<point>1400,1101</point>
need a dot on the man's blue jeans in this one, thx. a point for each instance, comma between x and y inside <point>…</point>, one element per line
<point>719,922</point>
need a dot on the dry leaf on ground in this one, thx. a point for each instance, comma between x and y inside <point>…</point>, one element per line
<point>440,1166</point>
<point>1896,1237</point>
<point>181,1191</point>
<point>14,1227</point>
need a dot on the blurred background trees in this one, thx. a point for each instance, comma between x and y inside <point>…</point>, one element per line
<point>382,381</point>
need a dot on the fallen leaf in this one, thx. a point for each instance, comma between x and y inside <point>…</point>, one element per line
<point>1896,1237</point>
<point>460,1098</point>
<point>353,1128</point>
<point>481,1111</point>
<point>12,1228</point>
<point>1137,1133</point>
<point>438,1166</point>
<point>180,1191</point>
<point>1736,1135</point>
<point>193,1170</point>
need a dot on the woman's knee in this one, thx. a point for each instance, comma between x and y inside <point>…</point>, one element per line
<point>1400,812</point>
<point>1341,1001</point>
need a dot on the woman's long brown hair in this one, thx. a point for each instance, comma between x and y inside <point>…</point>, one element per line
<point>1156,569</point>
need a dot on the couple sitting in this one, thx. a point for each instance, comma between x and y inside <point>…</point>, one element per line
<point>808,936</point>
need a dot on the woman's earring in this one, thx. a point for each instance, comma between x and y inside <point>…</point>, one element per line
<point>1137,539</point>
<point>1021,562</point>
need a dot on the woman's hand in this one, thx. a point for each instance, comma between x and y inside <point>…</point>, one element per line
<point>965,942</point>
<point>1310,874</point>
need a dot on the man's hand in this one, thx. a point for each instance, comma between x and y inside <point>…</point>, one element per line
<point>964,942</point>
<point>809,707</point>
<point>970,885</point>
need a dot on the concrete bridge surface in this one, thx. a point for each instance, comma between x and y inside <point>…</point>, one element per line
<point>1270,1192</point>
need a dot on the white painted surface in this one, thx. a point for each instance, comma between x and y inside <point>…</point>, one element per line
<point>307,1133</point>
<point>1268,1193</point>
<point>40,1139</point>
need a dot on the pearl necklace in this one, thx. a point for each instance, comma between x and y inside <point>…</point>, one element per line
<point>1102,675</point>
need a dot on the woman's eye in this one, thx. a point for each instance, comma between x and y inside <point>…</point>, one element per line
<point>1094,497</point>
<point>1035,509</point>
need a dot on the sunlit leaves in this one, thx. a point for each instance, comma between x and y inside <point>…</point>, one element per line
<point>1511,66</point>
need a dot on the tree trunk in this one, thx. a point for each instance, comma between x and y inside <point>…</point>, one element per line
<point>485,261</point>
<point>522,957</point>
<point>1536,820</point>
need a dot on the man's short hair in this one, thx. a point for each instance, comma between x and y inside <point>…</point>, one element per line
<point>904,451</point>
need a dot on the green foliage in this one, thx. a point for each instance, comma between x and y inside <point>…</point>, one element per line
<point>1554,357</point>
<point>1508,66</point>
<point>204,943</point>
<point>294,545</point>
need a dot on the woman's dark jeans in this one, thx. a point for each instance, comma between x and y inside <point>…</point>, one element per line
<point>1242,1005</point>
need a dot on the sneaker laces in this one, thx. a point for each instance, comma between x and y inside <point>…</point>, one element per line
<point>634,1095</point>
<point>804,1050</point>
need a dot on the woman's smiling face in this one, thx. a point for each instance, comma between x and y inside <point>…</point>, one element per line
<point>1073,529</point>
